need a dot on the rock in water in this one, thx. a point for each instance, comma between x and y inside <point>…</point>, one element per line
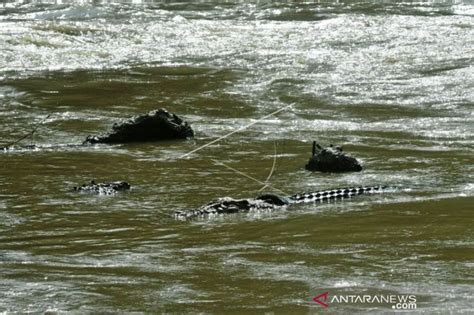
<point>154,126</point>
<point>108,188</point>
<point>332,159</point>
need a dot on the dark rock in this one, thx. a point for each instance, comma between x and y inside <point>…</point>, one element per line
<point>107,188</point>
<point>154,126</point>
<point>332,159</point>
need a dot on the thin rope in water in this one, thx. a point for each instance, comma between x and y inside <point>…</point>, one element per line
<point>29,134</point>
<point>235,131</point>
<point>246,175</point>
<point>273,167</point>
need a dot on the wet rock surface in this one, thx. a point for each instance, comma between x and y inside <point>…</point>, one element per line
<point>155,126</point>
<point>106,188</point>
<point>332,159</point>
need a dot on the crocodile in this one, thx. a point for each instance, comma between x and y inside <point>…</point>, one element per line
<point>107,188</point>
<point>271,201</point>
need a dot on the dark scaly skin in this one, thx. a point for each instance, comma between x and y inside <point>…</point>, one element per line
<point>334,194</point>
<point>107,188</point>
<point>273,201</point>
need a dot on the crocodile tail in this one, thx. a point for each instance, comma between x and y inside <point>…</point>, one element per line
<point>340,193</point>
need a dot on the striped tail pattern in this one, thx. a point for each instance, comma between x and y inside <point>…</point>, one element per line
<point>272,201</point>
<point>340,193</point>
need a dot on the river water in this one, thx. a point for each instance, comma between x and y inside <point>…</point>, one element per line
<point>391,81</point>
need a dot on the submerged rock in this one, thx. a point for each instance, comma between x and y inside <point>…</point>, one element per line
<point>331,159</point>
<point>154,126</point>
<point>107,188</point>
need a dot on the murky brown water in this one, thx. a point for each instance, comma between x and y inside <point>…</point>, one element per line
<point>392,83</point>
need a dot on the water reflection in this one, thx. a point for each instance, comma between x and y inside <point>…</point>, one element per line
<point>260,3</point>
<point>393,84</point>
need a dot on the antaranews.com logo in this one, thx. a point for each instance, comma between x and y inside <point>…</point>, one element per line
<point>397,302</point>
